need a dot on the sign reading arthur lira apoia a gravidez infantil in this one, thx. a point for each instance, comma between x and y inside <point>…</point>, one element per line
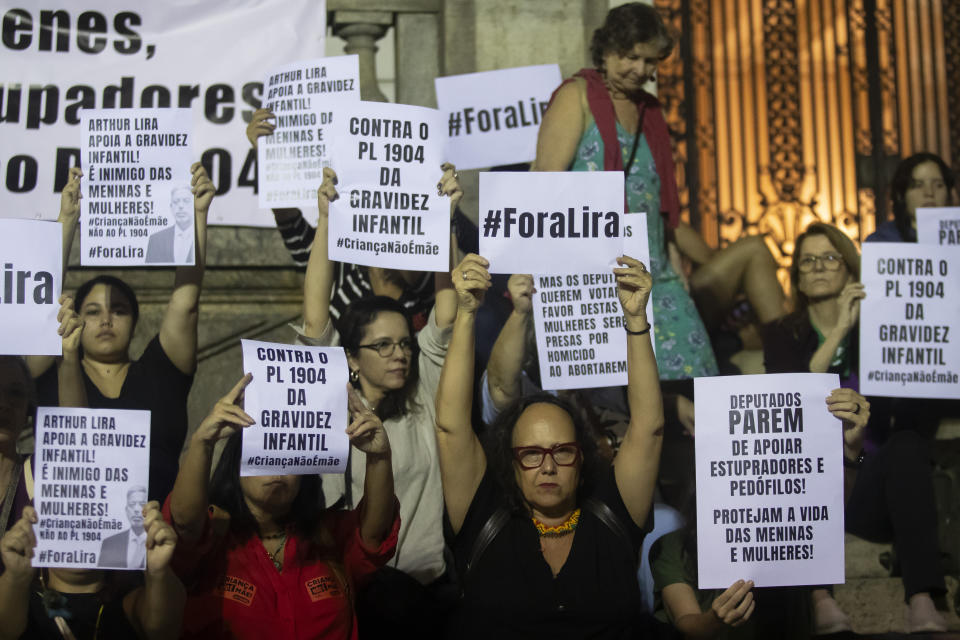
<point>30,287</point>
<point>137,206</point>
<point>298,397</point>
<point>938,225</point>
<point>909,345</point>
<point>304,98</point>
<point>387,158</point>
<point>90,473</point>
<point>769,481</point>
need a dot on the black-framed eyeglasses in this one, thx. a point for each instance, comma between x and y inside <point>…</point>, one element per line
<point>830,262</point>
<point>565,454</point>
<point>385,348</point>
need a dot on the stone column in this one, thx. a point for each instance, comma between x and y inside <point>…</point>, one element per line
<point>361,30</point>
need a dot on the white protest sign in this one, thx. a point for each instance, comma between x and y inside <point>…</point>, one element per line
<point>137,205</point>
<point>303,97</point>
<point>61,57</point>
<point>909,321</point>
<point>581,343</point>
<point>90,474</point>
<point>32,264</point>
<point>387,158</point>
<point>298,398</point>
<point>769,481</point>
<point>493,117</point>
<point>557,223</point>
<point>938,225</point>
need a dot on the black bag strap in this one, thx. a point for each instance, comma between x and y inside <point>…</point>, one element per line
<point>636,140</point>
<point>607,517</point>
<point>491,528</point>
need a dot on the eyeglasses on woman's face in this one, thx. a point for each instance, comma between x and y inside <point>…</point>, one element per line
<point>828,261</point>
<point>565,454</point>
<point>385,348</point>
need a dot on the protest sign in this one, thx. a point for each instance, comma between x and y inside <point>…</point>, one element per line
<point>387,158</point>
<point>32,267</point>
<point>558,223</point>
<point>769,481</point>
<point>303,97</point>
<point>59,58</point>
<point>938,225</point>
<point>493,117</point>
<point>909,321</point>
<point>137,206</point>
<point>91,471</point>
<point>581,343</point>
<point>298,398</point>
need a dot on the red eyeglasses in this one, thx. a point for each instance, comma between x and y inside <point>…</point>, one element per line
<point>565,454</point>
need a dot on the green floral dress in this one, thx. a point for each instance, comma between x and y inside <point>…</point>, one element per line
<point>683,348</point>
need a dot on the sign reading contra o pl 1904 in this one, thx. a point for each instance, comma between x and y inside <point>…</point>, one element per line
<point>91,471</point>
<point>551,222</point>
<point>581,343</point>
<point>137,206</point>
<point>32,251</point>
<point>769,481</point>
<point>909,346</point>
<point>298,397</point>
<point>387,158</point>
<point>938,225</point>
<point>304,97</point>
<point>493,117</point>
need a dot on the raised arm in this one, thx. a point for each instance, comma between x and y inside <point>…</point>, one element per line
<point>318,283</point>
<point>462,461</point>
<point>635,466</point>
<point>70,385</point>
<point>853,411</point>
<point>445,300</point>
<point>178,331</point>
<point>16,549</point>
<point>509,351</point>
<point>849,314</point>
<point>379,500</point>
<point>156,610</point>
<point>560,131</point>
<point>189,499</point>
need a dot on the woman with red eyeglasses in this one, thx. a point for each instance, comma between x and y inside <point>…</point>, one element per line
<point>546,534</point>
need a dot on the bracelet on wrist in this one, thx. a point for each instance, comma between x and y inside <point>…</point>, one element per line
<point>855,463</point>
<point>636,333</point>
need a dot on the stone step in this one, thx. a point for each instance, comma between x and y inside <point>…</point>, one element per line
<point>863,558</point>
<point>875,605</point>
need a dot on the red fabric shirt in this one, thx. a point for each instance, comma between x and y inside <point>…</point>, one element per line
<point>234,590</point>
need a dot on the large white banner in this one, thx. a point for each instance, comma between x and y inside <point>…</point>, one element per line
<point>303,97</point>
<point>32,265</point>
<point>493,117</point>
<point>938,225</point>
<point>581,342</point>
<point>909,320</point>
<point>137,206</point>
<point>551,222</point>
<point>769,481</point>
<point>90,471</point>
<point>298,397</point>
<point>387,158</point>
<point>59,58</point>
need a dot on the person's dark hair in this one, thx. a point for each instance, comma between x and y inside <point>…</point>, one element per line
<point>20,365</point>
<point>498,445</point>
<point>352,326</point>
<point>226,493</point>
<point>844,246</point>
<point>116,283</point>
<point>627,26</point>
<point>901,182</point>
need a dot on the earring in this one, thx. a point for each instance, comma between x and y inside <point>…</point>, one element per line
<point>354,375</point>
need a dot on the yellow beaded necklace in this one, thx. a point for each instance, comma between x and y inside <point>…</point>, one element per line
<point>568,526</point>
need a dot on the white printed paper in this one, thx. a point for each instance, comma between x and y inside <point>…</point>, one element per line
<point>387,158</point>
<point>210,57</point>
<point>298,398</point>
<point>91,473</point>
<point>909,346</point>
<point>551,222</point>
<point>938,225</point>
<point>493,117</point>
<point>769,481</point>
<point>32,266</point>
<point>581,342</point>
<point>304,96</point>
<point>137,205</point>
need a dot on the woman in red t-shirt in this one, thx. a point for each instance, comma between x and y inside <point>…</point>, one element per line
<point>260,555</point>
